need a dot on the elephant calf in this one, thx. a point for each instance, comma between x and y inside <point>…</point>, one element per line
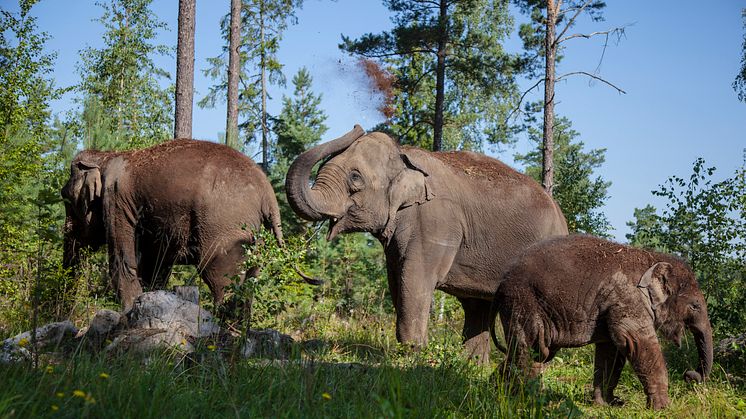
<point>575,290</point>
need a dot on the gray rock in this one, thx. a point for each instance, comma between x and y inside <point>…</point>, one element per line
<point>48,337</point>
<point>165,310</point>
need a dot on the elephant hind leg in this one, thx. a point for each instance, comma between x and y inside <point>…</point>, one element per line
<point>608,365</point>
<point>218,270</point>
<point>476,329</point>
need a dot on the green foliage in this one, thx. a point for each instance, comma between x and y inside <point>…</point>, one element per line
<point>580,195</point>
<point>124,105</point>
<point>272,284</point>
<point>299,126</point>
<point>705,222</point>
<point>301,121</point>
<point>739,84</point>
<point>479,86</point>
<point>31,170</point>
<point>356,269</point>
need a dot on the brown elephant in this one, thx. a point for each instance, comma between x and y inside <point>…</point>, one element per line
<point>576,290</point>
<point>179,202</point>
<point>449,221</point>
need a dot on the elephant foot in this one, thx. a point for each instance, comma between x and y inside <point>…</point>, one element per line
<point>477,350</point>
<point>658,401</point>
<point>598,400</point>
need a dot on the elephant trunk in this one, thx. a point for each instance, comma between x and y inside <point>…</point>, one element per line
<point>71,249</point>
<point>702,332</point>
<point>304,200</point>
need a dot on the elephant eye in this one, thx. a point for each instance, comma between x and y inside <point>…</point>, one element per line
<point>694,306</point>
<point>355,181</point>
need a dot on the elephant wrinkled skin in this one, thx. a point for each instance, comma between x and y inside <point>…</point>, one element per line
<point>577,290</point>
<point>179,202</point>
<point>448,220</point>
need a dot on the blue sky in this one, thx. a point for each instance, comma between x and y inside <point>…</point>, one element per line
<point>676,63</point>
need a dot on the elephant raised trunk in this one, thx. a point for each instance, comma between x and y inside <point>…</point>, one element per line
<point>702,333</point>
<point>306,201</point>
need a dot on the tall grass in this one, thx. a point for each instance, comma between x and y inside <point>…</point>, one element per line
<point>346,368</point>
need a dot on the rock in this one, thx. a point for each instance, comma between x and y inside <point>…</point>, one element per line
<point>731,354</point>
<point>143,341</point>
<point>49,336</point>
<point>267,343</point>
<point>104,325</point>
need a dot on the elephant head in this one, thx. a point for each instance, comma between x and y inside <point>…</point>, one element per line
<point>82,196</point>
<point>364,181</point>
<point>676,303</point>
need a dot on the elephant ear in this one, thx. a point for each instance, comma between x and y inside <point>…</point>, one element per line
<point>408,188</point>
<point>654,285</point>
<point>90,187</point>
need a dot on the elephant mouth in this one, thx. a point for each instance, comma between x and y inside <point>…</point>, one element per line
<point>335,227</point>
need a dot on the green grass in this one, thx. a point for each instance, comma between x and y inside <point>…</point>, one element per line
<point>356,369</point>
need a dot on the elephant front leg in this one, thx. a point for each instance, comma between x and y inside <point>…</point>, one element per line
<point>476,329</point>
<point>123,271</point>
<point>608,366</point>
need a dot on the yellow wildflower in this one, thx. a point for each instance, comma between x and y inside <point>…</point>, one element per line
<point>49,369</point>
<point>55,408</point>
<point>79,393</point>
<point>326,396</point>
<point>104,375</point>
<point>23,342</point>
<point>60,394</point>
<point>212,347</point>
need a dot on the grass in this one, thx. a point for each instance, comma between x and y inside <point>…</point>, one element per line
<point>355,369</point>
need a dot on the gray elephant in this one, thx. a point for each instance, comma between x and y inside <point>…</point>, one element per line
<point>179,202</point>
<point>577,290</point>
<point>449,221</point>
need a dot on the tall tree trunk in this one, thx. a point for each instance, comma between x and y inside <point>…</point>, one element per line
<point>184,70</point>
<point>440,76</point>
<point>550,51</point>
<point>234,66</point>
<point>265,140</point>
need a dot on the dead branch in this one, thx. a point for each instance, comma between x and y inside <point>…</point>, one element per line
<point>572,20</point>
<point>517,107</point>
<point>593,76</point>
<point>619,31</point>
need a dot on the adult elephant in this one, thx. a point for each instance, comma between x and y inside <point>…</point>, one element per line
<point>179,202</point>
<point>450,221</point>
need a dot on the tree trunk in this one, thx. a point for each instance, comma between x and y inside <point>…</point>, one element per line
<point>550,50</point>
<point>265,140</point>
<point>184,70</point>
<point>234,66</point>
<point>440,76</point>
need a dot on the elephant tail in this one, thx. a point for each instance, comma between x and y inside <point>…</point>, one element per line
<point>493,319</point>
<point>271,216</point>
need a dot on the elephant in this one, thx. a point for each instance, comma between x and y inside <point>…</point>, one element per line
<point>179,202</point>
<point>576,290</point>
<point>446,220</point>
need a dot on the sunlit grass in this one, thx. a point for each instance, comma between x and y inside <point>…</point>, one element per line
<point>348,368</point>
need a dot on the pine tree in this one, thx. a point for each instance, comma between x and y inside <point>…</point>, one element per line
<point>299,126</point>
<point>262,25</point>
<point>454,82</point>
<point>122,79</point>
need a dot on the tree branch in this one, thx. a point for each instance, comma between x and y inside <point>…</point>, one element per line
<point>593,76</point>
<point>520,100</point>
<point>572,20</point>
<point>618,30</point>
